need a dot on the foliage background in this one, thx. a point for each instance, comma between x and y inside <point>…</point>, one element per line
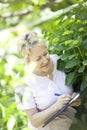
<point>67,37</point>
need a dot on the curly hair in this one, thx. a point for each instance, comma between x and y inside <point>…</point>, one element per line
<point>27,41</point>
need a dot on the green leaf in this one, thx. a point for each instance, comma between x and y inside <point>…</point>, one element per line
<point>70,78</point>
<point>42,2</point>
<point>3,110</point>
<point>75,42</point>
<point>68,32</point>
<point>85,43</point>
<point>59,47</point>
<point>67,56</point>
<point>11,123</point>
<point>85,104</point>
<point>83,84</point>
<point>84,62</point>
<point>68,42</point>
<point>85,77</point>
<point>64,56</point>
<point>61,65</point>
<point>71,56</point>
<point>35,2</point>
<point>72,63</point>
<point>81,69</point>
<point>81,29</point>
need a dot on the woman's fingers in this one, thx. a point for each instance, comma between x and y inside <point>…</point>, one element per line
<point>74,94</point>
<point>63,99</point>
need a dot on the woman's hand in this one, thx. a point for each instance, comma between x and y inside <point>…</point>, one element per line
<point>77,102</point>
<point>62,100</point>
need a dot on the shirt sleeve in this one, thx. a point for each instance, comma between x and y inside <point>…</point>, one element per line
<point>66,89</point>
<point>24,98</point>
<point>55,57</point>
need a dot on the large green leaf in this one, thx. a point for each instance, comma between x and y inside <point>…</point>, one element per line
<point>64,56</point>
<point>70,78</point>
<point>72,63</point>
<point>67,56</point>
<point>84,62</point>
<point>11,123</point>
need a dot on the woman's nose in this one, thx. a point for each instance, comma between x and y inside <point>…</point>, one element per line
<point>45,60</point>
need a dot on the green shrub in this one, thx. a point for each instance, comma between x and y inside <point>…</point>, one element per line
<point>67,37</point>
<point>10,117</point>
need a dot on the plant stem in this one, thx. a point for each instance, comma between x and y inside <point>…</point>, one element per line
<point>80,52</point>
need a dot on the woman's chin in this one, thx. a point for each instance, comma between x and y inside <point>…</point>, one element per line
<point>45,71</point>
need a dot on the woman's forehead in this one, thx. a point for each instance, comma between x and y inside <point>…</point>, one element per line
<point>38,50</point>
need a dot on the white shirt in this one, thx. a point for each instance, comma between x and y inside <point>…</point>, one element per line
<point>40,92</point>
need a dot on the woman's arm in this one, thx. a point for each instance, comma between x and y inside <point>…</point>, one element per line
<point>38,118</point>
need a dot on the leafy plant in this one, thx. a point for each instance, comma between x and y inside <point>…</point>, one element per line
<point>10,117</point>
<point>67,37</point>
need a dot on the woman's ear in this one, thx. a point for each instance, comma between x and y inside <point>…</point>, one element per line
<point>26,59</point>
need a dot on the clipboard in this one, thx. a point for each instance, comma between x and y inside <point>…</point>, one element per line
<point>65,107</point>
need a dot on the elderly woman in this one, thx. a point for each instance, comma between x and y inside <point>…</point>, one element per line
<point>38,99</point>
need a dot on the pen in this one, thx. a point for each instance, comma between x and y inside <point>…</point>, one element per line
<point>57,94</point>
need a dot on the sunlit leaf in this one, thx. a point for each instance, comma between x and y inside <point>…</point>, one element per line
<point>2,110</point>
<point>84,62</point>
<point>11,123</point>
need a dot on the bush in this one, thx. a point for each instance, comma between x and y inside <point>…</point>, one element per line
<point>67,37</point>
<point>10,117</point>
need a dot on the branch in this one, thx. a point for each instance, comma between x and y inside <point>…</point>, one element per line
<point>10,2</point>
<point>56,13</point>
<point>21,13</point>
<point>25,12</point>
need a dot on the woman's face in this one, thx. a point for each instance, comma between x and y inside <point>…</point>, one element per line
<point>40,60</point>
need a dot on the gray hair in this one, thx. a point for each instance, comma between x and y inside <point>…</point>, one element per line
<point>27,41</point>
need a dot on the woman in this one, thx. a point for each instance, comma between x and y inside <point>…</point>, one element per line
<point>38,98</point>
